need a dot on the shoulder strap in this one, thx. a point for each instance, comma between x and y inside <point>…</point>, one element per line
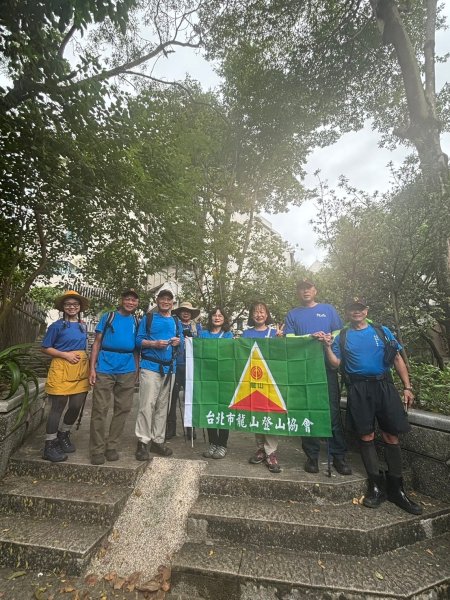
<point>177,325</point>
<point>108,323</point>
<point>380,332</point>
<point>148,324</point>
<point>342,340</point>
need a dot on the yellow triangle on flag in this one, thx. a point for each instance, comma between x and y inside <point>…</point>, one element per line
<point>257,390</point>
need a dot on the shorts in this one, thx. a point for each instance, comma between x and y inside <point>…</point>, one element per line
<point>370,400</point>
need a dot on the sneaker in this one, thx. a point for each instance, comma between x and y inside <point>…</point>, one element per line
<point>111,455</point>
<point>341,466</point>
<point>272,463</point>
<point>220,452</point>
<point>258,457</point>
<point>53,452</point>
<point>160,449</point>
<point>312,465</point>
<point>64,441</point>
<point>97,459</point>
<point>142,451</point>
<point>211,449</point>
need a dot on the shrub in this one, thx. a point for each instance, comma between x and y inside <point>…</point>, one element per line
<point>431,387</point>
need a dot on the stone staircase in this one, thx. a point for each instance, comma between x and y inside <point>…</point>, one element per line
<point>266,538</point>
<point>54,517</point>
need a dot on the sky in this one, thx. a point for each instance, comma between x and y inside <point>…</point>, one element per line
<point>357,155</point>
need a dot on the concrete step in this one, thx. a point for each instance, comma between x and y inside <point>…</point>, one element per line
<point>48,544</point>
<point>33,466</point>
<point>303,488</point>
<point>347,528</point>
<point>83,502</point>
<point>246,572</point>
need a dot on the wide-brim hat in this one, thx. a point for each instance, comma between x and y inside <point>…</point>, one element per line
<point>84,302</point>
<point>186,306</point>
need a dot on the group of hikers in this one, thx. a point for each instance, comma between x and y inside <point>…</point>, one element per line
<point>152,352</point>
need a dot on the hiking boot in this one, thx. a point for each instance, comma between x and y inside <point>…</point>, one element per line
<point>220,452</point>
<point>341,466</point>
<point>258,457</point>
<point>53,452</point>
<point>111,455</point>
<point>312,465</point>
<point>396,494</point>
<point>375,494</point>
<point>160,449</point>
<point>97,459</point>
<point>211,449</point>
<point>272,463</point>
<point>142,451</point>
<point>64,441</point>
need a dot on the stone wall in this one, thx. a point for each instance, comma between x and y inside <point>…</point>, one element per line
<point>426,452</point>
<point>9,412</point>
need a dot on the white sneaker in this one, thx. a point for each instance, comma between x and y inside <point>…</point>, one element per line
<point>208,453</point>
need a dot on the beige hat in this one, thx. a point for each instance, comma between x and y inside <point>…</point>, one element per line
<point>84,302</point>
<point>187,306</point>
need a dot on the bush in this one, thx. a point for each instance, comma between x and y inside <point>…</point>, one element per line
<point>431,387</point>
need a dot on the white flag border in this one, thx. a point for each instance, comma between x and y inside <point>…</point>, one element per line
<point>189,389</point>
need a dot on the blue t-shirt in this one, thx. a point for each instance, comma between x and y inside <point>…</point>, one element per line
<point>163,328</point>
<point>305,320</point>
<point>364,351</point>
<point>251,332</point>
<point>224,335</point>
<point>121,336</point>
<point>66,336</point>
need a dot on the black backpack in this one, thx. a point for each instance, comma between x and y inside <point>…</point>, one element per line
<point>109,323</point>
<point>390,348</point>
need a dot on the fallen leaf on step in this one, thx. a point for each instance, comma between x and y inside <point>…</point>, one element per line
<point>16,575</point>
<point>91,579</point>
<point>67,590</point>
<point>429,551</point>
<point>164,572</point>
<point>316,509</point>
<point>110,576</point>
<point>211,552</point>
<point>355,501</point>
<point>165,586</point>
<point>137,493</point>
<point>131,581</point>
<point>115,534</point>
<point>148,586</point>
<point>76,595</point>
<point>118,583</point>
<point>321,565</point>
<point>378,575</point>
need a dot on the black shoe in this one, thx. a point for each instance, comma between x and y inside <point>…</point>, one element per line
<point>160,449</point>
<point>375,494</point>
<point>341,466</point>
<point>53,452</point>
<point>98,459</point>
<point>312,465</point>
<point>64,441</point>
<point>396,494</point>
<point>111,455</point>
<point>142,451</point>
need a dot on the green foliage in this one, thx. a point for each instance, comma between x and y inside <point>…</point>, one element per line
<point>431,387</point>
<point>14,375</point>
<point>45,296</point>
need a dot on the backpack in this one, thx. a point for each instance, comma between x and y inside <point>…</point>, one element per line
<point>109,323</point>
<point>162,363</point>
<point>390,348</point>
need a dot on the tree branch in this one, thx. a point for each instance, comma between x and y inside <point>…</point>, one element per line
<point>66,40</point>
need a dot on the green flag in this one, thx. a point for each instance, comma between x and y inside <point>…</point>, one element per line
<point>274,386</point>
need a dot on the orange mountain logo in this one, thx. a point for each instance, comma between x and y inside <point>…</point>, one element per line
<point>257,390</point>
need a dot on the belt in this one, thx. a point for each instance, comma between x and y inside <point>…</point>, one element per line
<point>118,351</point>
<point>382,377</point>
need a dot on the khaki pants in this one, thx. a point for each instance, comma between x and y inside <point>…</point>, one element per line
<point>268,442</point>
<point>120,389</point>
<point>154,394</point>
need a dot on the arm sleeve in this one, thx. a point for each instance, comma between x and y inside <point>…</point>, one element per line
<point>336,347</point>
<point>142,332</point>
<point>51,335</point>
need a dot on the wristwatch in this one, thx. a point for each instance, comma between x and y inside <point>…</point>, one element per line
<point>407,389</point>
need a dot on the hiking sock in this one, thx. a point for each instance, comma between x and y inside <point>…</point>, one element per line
<point>50,436</point>
<point>393,456</point>
<point>369,457</point>
<point>65,427</point>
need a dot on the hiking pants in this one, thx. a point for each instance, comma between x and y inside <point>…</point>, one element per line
<point>154,395</point>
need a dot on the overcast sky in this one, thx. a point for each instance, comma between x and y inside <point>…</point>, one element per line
<point>356,155</point>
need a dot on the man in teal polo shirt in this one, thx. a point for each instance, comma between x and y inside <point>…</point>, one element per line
<point>114,364</point>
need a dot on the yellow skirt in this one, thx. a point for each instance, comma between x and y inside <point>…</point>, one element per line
<point>65,379</point>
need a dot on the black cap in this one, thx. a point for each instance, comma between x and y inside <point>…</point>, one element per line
<point>356,301</point>
<point>130,292</point>
<point>305,283</point>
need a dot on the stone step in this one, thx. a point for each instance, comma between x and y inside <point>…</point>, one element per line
<point>304,488</point>
<point>83,502</point>
<point>245,572</point>
<point>48,544</point>
<point>34,466</point>
<point>347,528</point>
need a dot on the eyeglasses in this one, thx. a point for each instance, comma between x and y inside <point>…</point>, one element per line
<point>71,305</point>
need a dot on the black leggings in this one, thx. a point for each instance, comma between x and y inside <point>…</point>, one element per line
<point>219,437</point>
<point>58,405</point>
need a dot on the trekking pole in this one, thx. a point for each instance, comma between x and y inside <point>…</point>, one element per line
<point>80,415</point>
<point>328,458</point>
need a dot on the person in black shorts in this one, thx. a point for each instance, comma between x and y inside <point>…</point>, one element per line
<point>367,352</point>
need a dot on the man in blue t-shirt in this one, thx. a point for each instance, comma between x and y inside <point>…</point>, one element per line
<point>368,352</point>
<point>159,344</point>
<point>313,318</point>
<point>113,368</point>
